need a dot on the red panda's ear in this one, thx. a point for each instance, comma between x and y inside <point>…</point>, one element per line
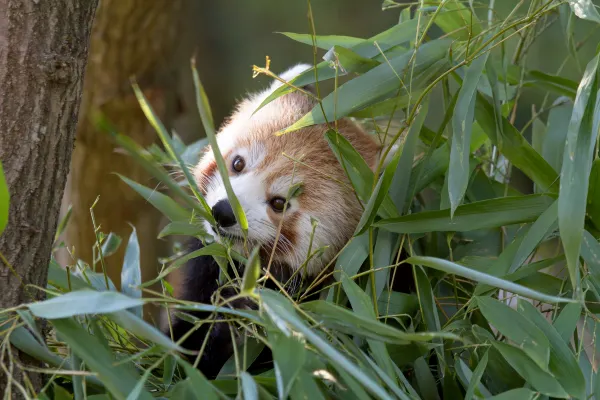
<point>292,73</point>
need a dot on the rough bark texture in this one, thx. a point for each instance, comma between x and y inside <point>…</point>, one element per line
<point>43,52</point>
<point>151,41</point>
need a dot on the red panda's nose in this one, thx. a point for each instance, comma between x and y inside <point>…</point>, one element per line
<point>223,213</point>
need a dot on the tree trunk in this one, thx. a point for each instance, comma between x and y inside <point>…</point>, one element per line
<point>43,52</point>
<point>150,41</point>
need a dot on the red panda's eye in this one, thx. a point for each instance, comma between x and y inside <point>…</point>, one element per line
<point>278,204</point>
<point>238,164</point>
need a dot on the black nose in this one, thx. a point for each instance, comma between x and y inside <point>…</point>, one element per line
<point>223,213</point>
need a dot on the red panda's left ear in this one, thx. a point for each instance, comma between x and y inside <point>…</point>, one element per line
<point>292,73</point>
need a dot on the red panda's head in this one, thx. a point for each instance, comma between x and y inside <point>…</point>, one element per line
<point>262,168</point>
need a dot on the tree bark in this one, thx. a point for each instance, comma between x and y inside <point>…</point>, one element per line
<point>150,41</point>
<point>43,53</point>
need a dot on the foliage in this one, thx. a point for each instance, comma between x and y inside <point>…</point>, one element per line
<point>506,282</point>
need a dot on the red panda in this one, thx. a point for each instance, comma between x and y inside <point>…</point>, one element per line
<point>261,170</point>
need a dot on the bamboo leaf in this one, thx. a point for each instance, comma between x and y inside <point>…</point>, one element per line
<point>395,36</point>
<point>83,302</point>
<point>324,42</point>
<point>541,381</point>
<point>209,128</point>
<point>279,307</point>
<point>119,379</point>
<point>479,215</point>
<point>168,144</point>
<point>251,272</point>
<point>540,229</point>
<point>577,164</point>
<point>371,86</point>
<point>558,124</point>
<point>562,363</point>
<point>462,123</point>
<point>453,268</point>
<point>402,174</point>
<point>516,327</point>
<point>131,274</point>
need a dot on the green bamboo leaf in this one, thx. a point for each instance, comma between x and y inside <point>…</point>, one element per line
<point>577,164</point>
<point>516,394</point>
<point>57,277</point>
<point>428,169</point>
<point>182,228</point>
<point>119,379</point>
<point>379,194</point>
<point>590,251</point>
<point>585,9</point>
<point>429,308</point>
<point>567,320</point>
<point>386,40</point>
<point>281,309</point>
<point>541,381</point>
<point>456,19</point>
<point>209,128</point>
<point>208,308</point>
<point>213,249</point>
<point>62,224</point>
<point>324,42</point>
<point>82,302</point>
<point>363,306</point>
<point>538,134</point>
<point>388,381</point>
<point>289,356</point>
<point>456,269</point>
<point>402,173</point>
<point>349,60</point>
<point>251,348</point>
<point>521,331</point>
<point>25,341</point>
<point>251,272</point>
<point>593,197</point>
<point>387,107</point>
<point>151,166</point>
<point>163,134</point>
<point>479,215</point>
<point>249,387</point>
<point>425,380</point>
<point>199,387</point>
<point>462,123</point>
<point>475,380</point>
<point>557,84</point>
<point>352,256</point>
<point>4,200</point>
<point>374,84</point>
<point>540,229</point>
<point>111,244</point>
<point>78,391</point>
<point>350,321</point>
<point>382,257</point>
<point>514,146</point>
<point>131,274</point>
<point>563,364</point>
<point>360,174</point>
<point>169,367</point>
<point>135,325</point>
<point>556,136</point>
<point>305,387</point>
